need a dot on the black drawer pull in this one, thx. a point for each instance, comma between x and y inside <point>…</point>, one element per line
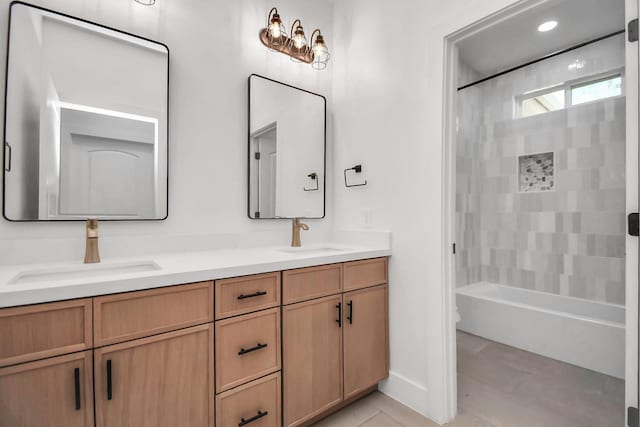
<point>261,414</point>
<point>76,381</point>
<point>257,294</point>
<point>109,382</point>
<point>339,319</point>
<point>252,349</point>
<point>350,317</point>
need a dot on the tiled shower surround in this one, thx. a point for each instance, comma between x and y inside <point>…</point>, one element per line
<point>567,241</point>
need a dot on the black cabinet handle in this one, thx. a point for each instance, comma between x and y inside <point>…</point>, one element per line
<point>350,317</point>
<point>244,422</point>
<point>339,319</point>
<point>109,381</point>
<point>257,294</point>
<point>249,350</point>
<point>76,381</point>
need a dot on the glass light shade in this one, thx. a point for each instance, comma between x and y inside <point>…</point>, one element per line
<point>276,30</point>
<point>146,2</point>
<point>299,39</point>
<point>298,43</point>
<point>320,55</point>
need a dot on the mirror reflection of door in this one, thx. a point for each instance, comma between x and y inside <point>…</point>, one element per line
<point>107,166</point>
<point>265,155</point>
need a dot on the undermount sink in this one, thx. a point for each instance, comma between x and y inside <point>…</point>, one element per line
<point>311,250</point>
<point>84,271</point>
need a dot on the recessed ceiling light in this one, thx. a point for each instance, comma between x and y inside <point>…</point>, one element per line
<point>547,26</point>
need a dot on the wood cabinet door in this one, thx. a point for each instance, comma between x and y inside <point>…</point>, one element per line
<point>49,393</point>
<point>312,358</point>
<point>161,381</point>
<point>366,339</point>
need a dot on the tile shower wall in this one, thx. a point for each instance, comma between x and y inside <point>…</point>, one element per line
<point>569,240</point>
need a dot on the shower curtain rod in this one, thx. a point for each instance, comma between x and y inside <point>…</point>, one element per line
<point>535,61</point>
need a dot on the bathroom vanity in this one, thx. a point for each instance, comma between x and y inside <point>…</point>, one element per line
<point>276,348</point>
<point>259,337</point>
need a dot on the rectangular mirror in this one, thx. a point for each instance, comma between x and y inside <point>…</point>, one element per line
<point>86,121</point>
<point>287,149</point>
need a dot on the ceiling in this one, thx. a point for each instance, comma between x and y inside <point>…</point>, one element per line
<point>517,40</point>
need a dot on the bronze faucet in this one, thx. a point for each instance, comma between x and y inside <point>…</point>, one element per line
<point>92,253</point>
<point>295,232</point>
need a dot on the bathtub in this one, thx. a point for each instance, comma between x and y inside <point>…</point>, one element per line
<point>584,333</point>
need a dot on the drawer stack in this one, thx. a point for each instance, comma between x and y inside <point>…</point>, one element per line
<point>248,351</point>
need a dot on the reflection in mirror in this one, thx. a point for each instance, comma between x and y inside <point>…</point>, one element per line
<point>86,121</point>
<point>286,151</point>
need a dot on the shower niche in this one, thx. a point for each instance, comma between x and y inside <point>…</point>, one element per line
<point>536,173</point>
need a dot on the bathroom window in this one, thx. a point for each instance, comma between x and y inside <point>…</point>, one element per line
<point>543,103</point>
<point>571,93</point>
<point>596,90</point>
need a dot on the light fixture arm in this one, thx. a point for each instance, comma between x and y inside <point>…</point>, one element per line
<point>293,27</point>
<point>316,31</point>
<point>271,13</point>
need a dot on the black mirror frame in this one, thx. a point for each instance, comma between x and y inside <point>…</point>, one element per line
<point>4,128</point>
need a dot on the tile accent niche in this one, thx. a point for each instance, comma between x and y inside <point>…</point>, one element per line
<point>565,233</point>
<point>535,173</point>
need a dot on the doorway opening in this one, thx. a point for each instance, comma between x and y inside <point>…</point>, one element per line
<point>537,198</point>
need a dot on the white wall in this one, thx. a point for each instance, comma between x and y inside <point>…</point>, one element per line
<point>214,47</point>
<point>388,93</point>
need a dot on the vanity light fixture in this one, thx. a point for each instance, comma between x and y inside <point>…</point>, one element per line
<point>274,37</point>
<point>146,2</point>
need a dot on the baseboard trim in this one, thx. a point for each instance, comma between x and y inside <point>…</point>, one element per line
<point>407,392</point>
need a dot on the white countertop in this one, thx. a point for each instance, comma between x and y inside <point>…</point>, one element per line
<point>174,269</point>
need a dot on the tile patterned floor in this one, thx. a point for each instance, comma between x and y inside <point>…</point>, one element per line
<point>500,386</point>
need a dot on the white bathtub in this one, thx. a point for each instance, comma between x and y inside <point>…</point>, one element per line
<point>583,333</point>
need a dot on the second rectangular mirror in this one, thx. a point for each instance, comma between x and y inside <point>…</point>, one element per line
<point>287,146</point>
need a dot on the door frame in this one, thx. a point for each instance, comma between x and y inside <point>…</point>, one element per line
<point>449,123</point>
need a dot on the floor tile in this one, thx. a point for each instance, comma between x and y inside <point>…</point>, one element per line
<point>501,386</point>
<point>471,343</point>
<point>381,419</point>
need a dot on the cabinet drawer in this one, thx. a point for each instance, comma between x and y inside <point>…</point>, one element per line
<point>44,330</point>
<point>256,404</point>
<point>242,295</point>
<point>123,317</point>
<point>312,282</point>
<point>247,347</point>
<point>362,274</point>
